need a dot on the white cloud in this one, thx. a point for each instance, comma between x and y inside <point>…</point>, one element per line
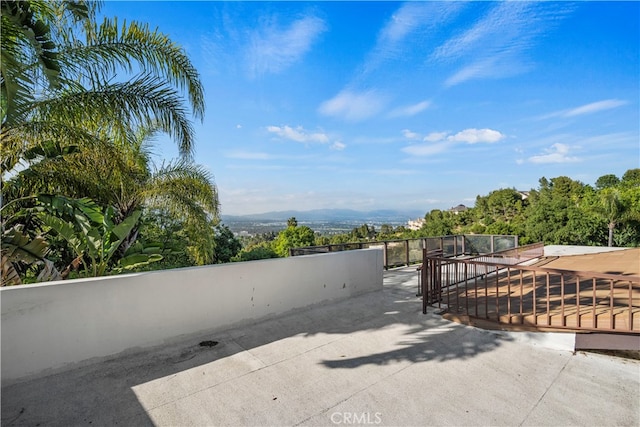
<point>558,153</point>
<point>394,172</point>
<point>353,106</point>
<point>298,134</point>
<point>438,142</point>
<point>594,107</point>
<point>473,136</point>
<point>272,49</point>
<point>408,28</point>
<point>436,136</point>
<point>410,135</point>
<point>406,20</point>
<point>496,67</point>
<point>496,44</point>
<point>410,110</point>
<point>247,155</point>
<point>426,149</point>
<point>338,146</point>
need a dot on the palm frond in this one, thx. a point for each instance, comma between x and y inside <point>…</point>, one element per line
<point>146,101</point>
<point>15,141</point>
<point>25,39</point>
<point>186,187</point>
<point>134,46</point>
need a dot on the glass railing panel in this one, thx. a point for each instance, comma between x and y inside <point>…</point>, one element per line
<point>478,244</point>
<point>396,253</point>
<point>502,243</point>
<point>415,250</point>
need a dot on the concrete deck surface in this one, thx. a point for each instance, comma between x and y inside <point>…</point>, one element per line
<point>371,360</point>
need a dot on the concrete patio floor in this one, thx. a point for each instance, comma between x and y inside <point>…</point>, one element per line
<point>374,359</point>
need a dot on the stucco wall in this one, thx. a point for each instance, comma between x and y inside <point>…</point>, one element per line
<point>52,325</point>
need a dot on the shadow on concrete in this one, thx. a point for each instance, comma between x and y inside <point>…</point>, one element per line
<point>101,392</point>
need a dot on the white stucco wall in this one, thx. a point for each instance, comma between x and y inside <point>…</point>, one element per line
<point>52,325</point>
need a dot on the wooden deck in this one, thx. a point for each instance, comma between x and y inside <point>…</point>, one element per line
<point>587,292</point>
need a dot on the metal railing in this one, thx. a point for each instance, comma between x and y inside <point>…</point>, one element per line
<point>513,294</point>
<point>450,271</point>
<point>403,252</point>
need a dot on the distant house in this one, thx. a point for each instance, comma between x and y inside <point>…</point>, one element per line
<point>415,224</point>
<point>457,209</point>
<point>523,194</point>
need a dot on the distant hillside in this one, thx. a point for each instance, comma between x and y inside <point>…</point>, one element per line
<point>329,215</point>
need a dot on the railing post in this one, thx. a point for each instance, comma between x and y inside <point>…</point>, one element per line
<point>493,243</point>
<point>384,256</point>
<point>406,246</point>
<point>423,276</point>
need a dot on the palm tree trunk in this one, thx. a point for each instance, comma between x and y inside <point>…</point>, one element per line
<point>612,225</point>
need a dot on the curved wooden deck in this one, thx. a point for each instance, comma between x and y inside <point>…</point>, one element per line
<point>587,292</point>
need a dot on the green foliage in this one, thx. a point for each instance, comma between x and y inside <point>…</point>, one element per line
<point>293,237</point>
<point>364,232</point>
<point>168,233</point>
<point>338,239</point>
<point>260,251</point>
<point>613,208</point>
<point>631,178</point>
<point>500,205</point>
<point>559,211</point>
<point>94,237</point>
<point>227,245</point>
<point>436,223</point>
<point>19,248</point>
<point>84,133</point>
<point>322,240</point>
<point>607,181</point>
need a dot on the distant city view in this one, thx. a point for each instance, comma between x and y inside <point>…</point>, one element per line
<point>324,221</point>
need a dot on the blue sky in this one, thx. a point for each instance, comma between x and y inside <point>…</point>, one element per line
<point>418,105</point>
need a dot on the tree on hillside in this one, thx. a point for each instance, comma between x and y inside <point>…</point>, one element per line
<point>612,208</point>
<point>631,178</point>
<point>261,250</point>
<point>500,212</point>
<point>364,232</point>
<point>607,181</point>
<point>555,214</point>
<point>436,223</point>
<point>226,244</point>
<point>293,237</point>
<point>620,206</point>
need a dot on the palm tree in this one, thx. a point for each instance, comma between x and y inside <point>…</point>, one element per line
<point>129,181</point>
<point>74,90</point>
<point>28,46</point>
<point>87,100</point>
<point>612,208</point>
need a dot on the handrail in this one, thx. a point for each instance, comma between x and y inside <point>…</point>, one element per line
<point>509,294</point>
<point>401,252</point>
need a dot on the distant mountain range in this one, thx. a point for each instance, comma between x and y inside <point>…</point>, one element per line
<point>380,215</point>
